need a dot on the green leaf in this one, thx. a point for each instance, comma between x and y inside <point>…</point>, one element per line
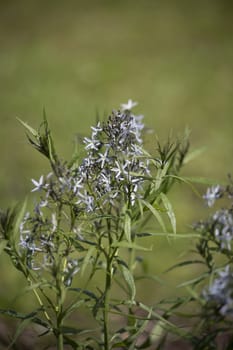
<point>184,263</point>
<point>193,281</point>
<point>137,331</point>
<point>34,287</point>
<point>25,320</point>
<point>204,181</point>
<point>12,313</point>
<point>187,182</point>
<point>150,277</point>
<point>21,326</point>
<point>70,330</point>
<point>73,307</point>
<point>87,259</point>
<point>169,325</point>
<point>29,128</point>
<point>20,316</point>
<point>170,211</point>
<point>19,219</point>
<point>127,226</point>
<point>128,277</point>
<point>160,175</point>
<point>48,139</point>
<point>157,331</point>
<point>155,213</point>
<point>70,342</point>
<point>193,154</point>
<point>119,345</point>
<point>84,291</point>
<point>178,235</point>
<point>193,293</point>
<point>130,245</point>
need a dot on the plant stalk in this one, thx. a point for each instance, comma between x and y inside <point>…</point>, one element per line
<point>108,281</point>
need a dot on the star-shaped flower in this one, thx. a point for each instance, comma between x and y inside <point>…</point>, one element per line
<point>128,106</point>
<point>38,184</point>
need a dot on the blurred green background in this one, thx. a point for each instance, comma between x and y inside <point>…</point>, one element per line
<point>77,58</point>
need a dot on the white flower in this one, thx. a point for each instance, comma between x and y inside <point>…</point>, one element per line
<point>91,144</point>
<point>119,170</point>
<point>129,105</point>
<point>103,158</point>
<point>78,184</point>
<point>212,194</point>
<point>96,130</point>
<point>87,200</point>
<point>38,184</point>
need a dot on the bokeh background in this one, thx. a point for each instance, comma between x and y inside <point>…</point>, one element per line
<point>79,58</point>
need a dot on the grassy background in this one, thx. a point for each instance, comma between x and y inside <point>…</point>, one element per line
<point>78,57</point>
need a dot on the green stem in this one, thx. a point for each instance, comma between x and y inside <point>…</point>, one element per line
<point>60,341</point>
<point>59,308</point>
<point>59,334</point>
<point>108,281</point>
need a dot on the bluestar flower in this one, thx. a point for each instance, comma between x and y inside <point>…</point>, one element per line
<point>128,106</point>
<point>77,184</point>
<point>38,184</point>
<point>72,268</point>
<point>212,194</point>
<point>96,130</point>
<point>103,158</point>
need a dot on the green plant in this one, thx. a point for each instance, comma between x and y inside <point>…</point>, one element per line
<point>80,241</point>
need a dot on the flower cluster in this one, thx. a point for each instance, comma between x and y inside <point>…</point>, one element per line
<point>219,226</point>
<point>113,172</point>
<point>220,292</point>
<point>37,239</point>
<point>115,162</point>
<point>222,227</point>
<point>216,237</point>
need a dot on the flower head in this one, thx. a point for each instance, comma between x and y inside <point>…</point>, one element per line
<point>114,154</point>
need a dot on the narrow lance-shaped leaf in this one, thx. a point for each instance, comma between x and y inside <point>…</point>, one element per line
<point>87,259</point>
<point>20,328</point>
<point>51,148</point>
<point>29,128</point>
<point>129,281</point>
<point>127,226</point>
<point>73,307</point>
<point>155,213</point>
<point>130,245</point>
<point>19,220</point>
<point>160,175</point>
<point>170,212</point>
<point>195,153</point>
<point>204,181</point>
